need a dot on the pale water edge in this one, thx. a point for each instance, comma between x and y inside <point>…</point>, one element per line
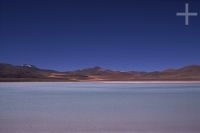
<point>100,107</point>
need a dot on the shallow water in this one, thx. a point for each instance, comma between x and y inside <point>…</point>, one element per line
<point>99,108</point>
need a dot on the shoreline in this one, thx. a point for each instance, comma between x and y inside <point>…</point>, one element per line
<point>152,82</point>
<point>110,82</point>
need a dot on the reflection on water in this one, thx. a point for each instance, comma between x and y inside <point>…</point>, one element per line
<point>99,108</point>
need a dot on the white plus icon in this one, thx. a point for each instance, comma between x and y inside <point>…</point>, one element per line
<point>186,14</point>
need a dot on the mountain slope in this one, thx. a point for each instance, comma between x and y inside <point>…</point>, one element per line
<point>28,72</point>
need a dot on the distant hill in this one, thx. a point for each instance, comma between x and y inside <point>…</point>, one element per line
<point>24,72</point>
<point>28,72</point>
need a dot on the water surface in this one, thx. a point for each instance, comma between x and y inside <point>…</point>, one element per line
<point>99,108</point>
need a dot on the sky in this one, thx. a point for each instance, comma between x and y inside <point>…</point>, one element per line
<point>143,35</point>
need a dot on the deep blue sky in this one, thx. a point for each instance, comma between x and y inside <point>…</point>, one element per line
<point>116,34</point>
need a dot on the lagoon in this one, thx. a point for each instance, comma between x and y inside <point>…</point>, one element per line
<point>95,107</point>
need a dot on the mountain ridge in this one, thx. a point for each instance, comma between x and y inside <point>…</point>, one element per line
<point>27,72</point>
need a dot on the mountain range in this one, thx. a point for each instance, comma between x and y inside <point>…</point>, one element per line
<point>26,72</point>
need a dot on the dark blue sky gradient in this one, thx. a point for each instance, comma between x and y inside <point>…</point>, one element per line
<point>116,34</point>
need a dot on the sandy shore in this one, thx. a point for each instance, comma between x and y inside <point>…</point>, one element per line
<point>151,82</point>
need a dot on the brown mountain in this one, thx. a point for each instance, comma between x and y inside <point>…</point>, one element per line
<point>27,72</point>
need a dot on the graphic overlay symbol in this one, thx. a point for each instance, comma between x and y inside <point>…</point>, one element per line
<point>186,14</point>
